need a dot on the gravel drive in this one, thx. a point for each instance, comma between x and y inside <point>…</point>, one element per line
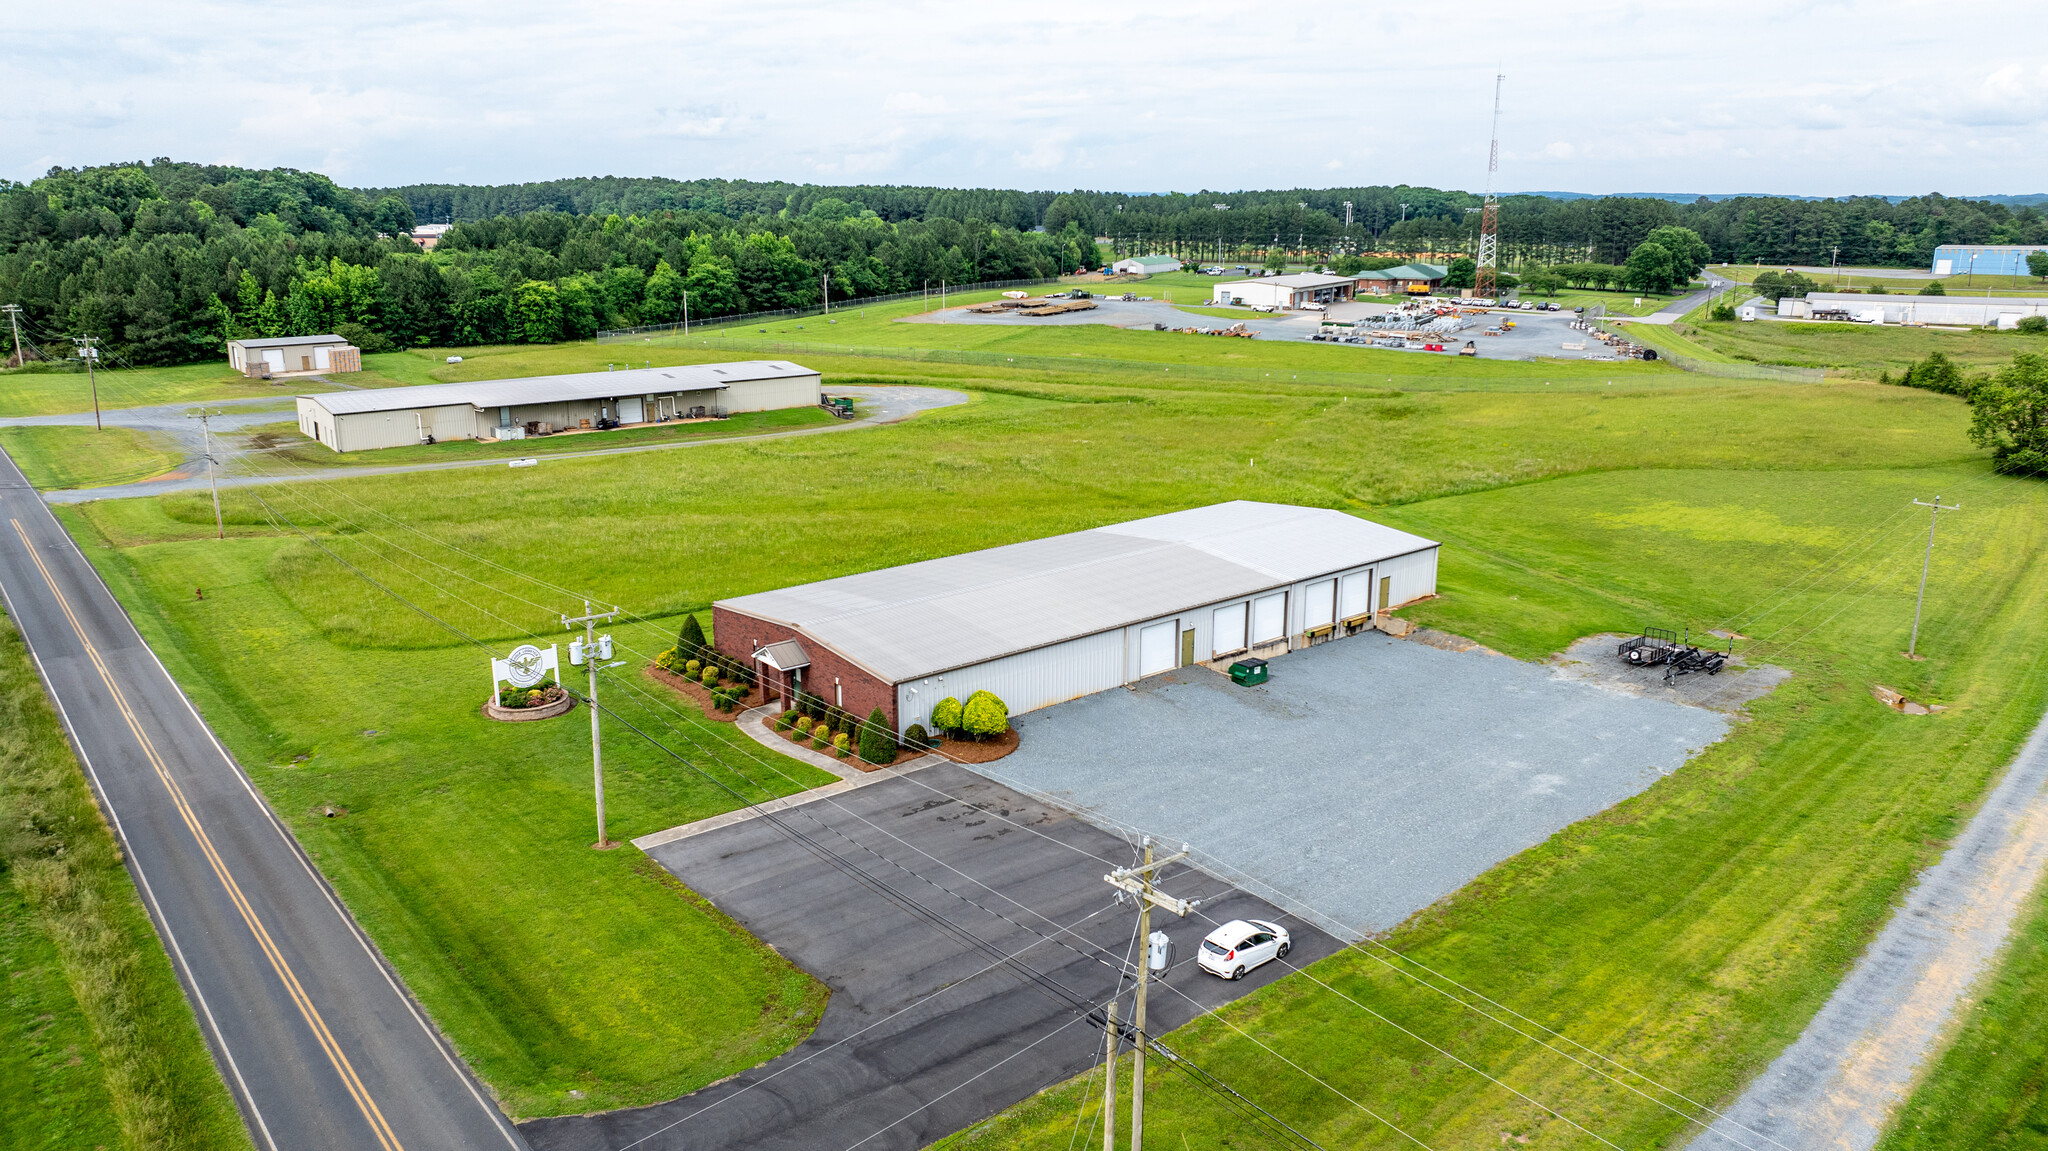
<point>1837,1086</point>
<point>1368,779</point>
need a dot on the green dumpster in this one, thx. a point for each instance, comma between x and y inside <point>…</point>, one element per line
<point>1248,672</point>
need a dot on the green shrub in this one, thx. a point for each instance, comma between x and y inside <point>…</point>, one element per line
<point>946,715</point>
<point>1934,288</point>
<point>877,741</point>
<point>839,744</point>
<point>2034,324</point>
<point>669,660</point>
<point>916,738</point>
<point>821,734</point>
<point>711,676</point>
<point>985,716</point>
<point>786,720</point>
<point>694,668</point>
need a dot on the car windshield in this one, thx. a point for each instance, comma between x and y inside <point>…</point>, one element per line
<point>1213,947</point>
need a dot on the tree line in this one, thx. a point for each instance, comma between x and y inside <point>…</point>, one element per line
<point>165,260</point>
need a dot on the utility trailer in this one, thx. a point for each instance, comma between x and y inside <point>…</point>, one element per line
<point>1652,647</point>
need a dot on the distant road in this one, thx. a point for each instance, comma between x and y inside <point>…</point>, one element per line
<point>319,1042</point>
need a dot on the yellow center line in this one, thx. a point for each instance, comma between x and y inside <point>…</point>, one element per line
<point>387,1138</point>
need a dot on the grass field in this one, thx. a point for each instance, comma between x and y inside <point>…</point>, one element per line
<point>97,1045</point>
<point>1861,350</point>
<point>68,457</point>
<point>282,446</point>
<point>464,847</point>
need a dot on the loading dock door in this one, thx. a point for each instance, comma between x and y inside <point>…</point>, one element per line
<point>1320,607</point>
<point>1155,648</point>
<point>630,410</point>
<point>1354,596</point>
<point>1229,630</point>
<point>1269,617</point>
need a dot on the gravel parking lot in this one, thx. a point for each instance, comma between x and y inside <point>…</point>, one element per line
<point>1369,778</point>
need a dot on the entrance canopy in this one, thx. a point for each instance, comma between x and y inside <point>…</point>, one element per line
<point>784,655</point>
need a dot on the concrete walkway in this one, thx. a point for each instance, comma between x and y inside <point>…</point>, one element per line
<point>1838,1086</point>
<point>887,405</point>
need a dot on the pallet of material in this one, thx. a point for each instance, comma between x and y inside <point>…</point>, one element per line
<point>1054,308</point>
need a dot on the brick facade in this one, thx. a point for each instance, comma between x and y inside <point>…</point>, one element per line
<point>855,691</point>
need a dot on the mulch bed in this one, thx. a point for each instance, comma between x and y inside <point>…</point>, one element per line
<point>972,751</point>
<point>702,695</point>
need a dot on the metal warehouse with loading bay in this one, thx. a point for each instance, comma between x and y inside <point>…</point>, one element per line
<point>1049,620</point>
<point>541,405</point>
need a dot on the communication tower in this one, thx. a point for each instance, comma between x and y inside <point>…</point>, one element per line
<point>1485,283</point>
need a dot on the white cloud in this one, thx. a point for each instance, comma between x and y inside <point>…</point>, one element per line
<point>378,93</point>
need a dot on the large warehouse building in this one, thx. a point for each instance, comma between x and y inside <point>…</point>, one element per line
<point>514,409</point>
<point>1286,291</point>
<point>1049,620</point>
<point>1984,259</point>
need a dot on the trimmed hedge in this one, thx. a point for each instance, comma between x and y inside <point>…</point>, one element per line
<point>877,743</point>
<point>985,716</point>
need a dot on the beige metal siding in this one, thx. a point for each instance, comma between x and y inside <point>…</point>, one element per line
<point>1026,681</point>
<point>767,395</point>
<point>363,431</point>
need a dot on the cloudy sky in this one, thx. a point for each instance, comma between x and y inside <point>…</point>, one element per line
<point>1816,99</point>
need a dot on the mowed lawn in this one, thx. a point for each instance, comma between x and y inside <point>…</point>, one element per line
<point>1587,507</point>
<point>71,457</point>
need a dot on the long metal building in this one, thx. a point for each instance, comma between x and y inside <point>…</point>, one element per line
<point>513,409</point>
<point>1049,620</point>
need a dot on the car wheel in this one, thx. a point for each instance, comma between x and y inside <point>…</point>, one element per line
<point>1284,949</point>
<point>1236,973</point>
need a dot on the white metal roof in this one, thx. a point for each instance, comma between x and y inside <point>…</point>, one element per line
<point>290,341</point>
<point>919,619</point>
<point>553,389</point>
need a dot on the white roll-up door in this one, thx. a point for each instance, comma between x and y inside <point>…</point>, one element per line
<point>1229,629</point>
<point>1354,595</point>
<point>275,358</point>
<point>1156,648</point>
<point>1269,617</point>
<point>630,410</point>
<point>320,359</point>
<point>1321,605</point>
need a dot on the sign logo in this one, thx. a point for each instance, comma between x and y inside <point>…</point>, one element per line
<point>526,667</point>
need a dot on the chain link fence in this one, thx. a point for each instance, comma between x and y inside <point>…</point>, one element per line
<point>677,328</point>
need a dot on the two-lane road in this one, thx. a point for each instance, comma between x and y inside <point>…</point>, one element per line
<point>318,1040</point>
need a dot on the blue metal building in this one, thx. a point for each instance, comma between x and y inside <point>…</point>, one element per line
<point>1984,259</point>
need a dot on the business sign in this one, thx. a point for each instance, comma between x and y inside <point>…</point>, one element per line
<point>526,667</point>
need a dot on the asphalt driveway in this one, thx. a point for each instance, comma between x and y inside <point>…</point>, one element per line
<point>1367,779</point>
<point>925,1033</point>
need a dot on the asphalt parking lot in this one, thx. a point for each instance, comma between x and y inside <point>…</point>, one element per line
<point>924,1034</point>
<point>1367,779</point>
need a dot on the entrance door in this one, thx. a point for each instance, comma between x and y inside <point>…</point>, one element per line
<point>1187,647</point>
<point>1155,648</point>
<point>1385,583</point>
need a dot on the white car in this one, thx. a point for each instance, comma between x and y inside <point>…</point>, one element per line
<point>1241,945</point>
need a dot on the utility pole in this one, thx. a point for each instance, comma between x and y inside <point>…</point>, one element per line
<point>686,313</point>
<point>91,356</point>
<point>1137,881</point>
<point>1925,563</point>
<point>1109,1082</point>
<point>587,652</point>
<point>825,290</point>
<point>1835,265</point>
<point>206,439</point>
<point>14,317</point>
